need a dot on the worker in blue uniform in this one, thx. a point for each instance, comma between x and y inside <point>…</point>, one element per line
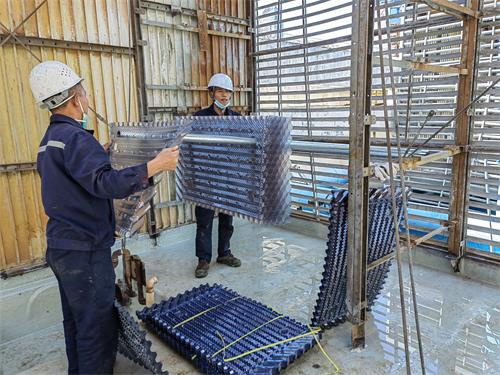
<point>220,89</point>
<point>78,185</point>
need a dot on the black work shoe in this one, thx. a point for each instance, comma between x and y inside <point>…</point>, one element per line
<point>202,269</point>
<point>229,260</point>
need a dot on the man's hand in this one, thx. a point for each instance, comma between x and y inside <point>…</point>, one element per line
<point>166,160</point>
<point>107,146</point>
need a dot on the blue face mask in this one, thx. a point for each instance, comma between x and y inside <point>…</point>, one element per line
<point>220,105</point>
<point>85,118</point>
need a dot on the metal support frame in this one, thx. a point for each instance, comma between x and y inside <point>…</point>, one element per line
<point>147,4</point>
<point>65,44</point>
<point>194,29</point>
<point>460,166</point>
<point>359,158</point>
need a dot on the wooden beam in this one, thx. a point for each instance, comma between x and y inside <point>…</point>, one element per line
<point>416,65</point>
<point>203,27</point>
<point>429,235</point>
<point>380,261</point>
<point>417,161</point>
<point>450,8</point>
<point>460,166</point>
<point>359,158</point>
<point>439,68</point>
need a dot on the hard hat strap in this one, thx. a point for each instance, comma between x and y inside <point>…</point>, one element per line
<point>57,100</point>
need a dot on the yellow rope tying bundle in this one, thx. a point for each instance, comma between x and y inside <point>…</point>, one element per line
<point>337,369</point>
<point>205,311</point>
<point>273,344</point>
<point>247,334</point>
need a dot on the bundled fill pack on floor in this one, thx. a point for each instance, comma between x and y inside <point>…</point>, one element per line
<point>222,332</point>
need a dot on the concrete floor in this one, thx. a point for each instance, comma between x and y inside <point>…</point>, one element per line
<point>460,318</point>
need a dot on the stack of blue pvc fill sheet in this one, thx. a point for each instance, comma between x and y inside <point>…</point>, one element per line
<point>132,342</point>
<point>331,308</point>
<point>217,329</point>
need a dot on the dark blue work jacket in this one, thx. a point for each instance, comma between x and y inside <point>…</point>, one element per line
<point>78,185</point>
<point>210,111</point>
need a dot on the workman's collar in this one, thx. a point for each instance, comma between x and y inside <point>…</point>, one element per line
<point>58,118</point>
<point>214,113</point>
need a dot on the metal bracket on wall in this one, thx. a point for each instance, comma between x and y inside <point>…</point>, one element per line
<point>66,44</point>
<point>17,167</point>
<point>144,4</point>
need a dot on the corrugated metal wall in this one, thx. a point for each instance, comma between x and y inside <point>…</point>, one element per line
<point>186,42</point>
<point>92,37</point>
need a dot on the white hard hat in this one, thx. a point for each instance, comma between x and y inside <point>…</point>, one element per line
<point>50,78</point>
<point>221,80</point>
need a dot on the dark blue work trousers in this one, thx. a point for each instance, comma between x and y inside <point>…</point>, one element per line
<point>87,287</point>
<point>204,223</point>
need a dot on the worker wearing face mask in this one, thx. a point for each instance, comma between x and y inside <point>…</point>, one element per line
<point>220,88</point>
<point>78,186</point>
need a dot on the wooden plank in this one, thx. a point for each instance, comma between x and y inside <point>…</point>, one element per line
<point>197,55</point>
<point>460,167</point>
<point>28,194</point>
<point>9,247</point>
<point>127,68</point>
<point>453,9</point>
<point>203,30</point>
<point>417,161</point>
<point>428,236</point>
<point>17,15</point>
<point>188,53</point>
<point>30,26</point>
<point>20,146</point>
